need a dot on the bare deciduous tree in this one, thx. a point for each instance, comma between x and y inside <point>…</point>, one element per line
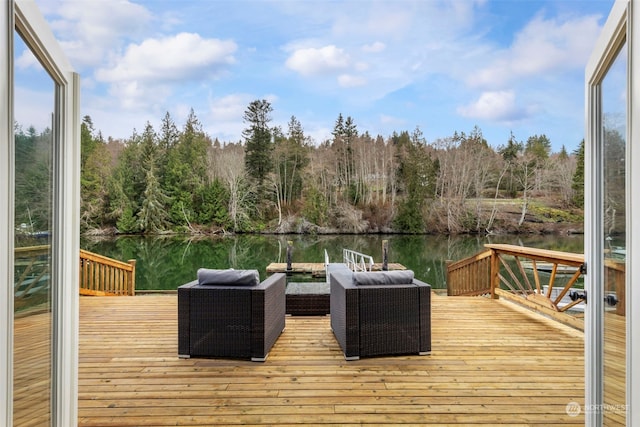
<point>229,166</point>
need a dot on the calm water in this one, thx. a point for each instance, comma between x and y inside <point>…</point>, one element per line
<point>168,262</point>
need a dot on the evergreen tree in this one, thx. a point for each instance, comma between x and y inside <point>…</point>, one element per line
<point>186,173</point>
<point>417,175</point>
<point>538,147</point>
<point>95,172</point>
<point>344,134</point>
<point>126,187</point>
<point>578,177</point>
<point>511,151</point>
<point>213,207</point>
<point>88,143</point>
<point>563,155</point>
<point>148,149</point>
<point>510,154</point>
<point>169,134</point>
<point>152,217</point>
<point>291,159</point>
<point>33,178</point>
<point>258,140</point>
<point>167,139</point>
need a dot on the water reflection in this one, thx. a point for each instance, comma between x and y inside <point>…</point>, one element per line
<point>168,262</point>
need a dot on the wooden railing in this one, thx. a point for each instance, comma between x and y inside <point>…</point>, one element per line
<point>100,275</point>
<point>520,274</point>
<point>615,274</point>
<point>470,276</point>
<point>516,273</point>
<point>32,276</point>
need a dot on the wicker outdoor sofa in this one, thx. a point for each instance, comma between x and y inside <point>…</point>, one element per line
<point>379,313</point>
<point>230,314</point>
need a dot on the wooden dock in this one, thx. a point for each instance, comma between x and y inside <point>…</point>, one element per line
<point>316,269</point>
<point>491,364</point>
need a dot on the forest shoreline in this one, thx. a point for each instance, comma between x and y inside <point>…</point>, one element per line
<point>506,223</point>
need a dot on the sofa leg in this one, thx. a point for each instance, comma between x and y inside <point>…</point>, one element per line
<point>424,353</point>
<point>260,359</point>
<point>351,358</point>
<point>184,356</point>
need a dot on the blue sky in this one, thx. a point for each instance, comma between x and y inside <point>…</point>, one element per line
<point>443,66</point>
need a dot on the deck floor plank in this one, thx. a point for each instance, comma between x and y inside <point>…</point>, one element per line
<point>490,365</point>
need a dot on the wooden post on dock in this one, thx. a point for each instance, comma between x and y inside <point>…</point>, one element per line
<point>495,273</point>
<point>132,279</point>
<point>289,255</point>
<point>385,255</point>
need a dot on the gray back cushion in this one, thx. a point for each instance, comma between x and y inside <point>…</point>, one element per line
<point>229,277</point>
<point>396,277</point>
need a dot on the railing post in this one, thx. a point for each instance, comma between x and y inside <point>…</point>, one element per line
<point>446,276</point>
<point>385,255</point>
<point>289,255</point>
<point>132,278</point>
<point>495,272</point>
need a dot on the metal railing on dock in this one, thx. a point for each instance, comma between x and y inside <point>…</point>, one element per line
<point>357,261</point>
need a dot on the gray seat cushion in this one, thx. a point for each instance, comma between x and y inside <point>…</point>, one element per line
<point>228,277</point>
<point>397,277</point>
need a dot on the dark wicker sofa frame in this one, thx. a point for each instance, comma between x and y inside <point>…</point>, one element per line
<point>231,321</point>
<point>381,319</point>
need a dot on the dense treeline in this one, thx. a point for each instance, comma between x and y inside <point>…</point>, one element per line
<point>33,179</point>
<point>279,180</point>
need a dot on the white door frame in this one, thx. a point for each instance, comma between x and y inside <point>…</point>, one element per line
<point>6,211</point>
<point>23,15</point>
<point>617,30</point>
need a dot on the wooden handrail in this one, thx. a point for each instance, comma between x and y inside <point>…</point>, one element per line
<point>32,276</point>
<point>470,276</point>
<point>101,275</point>
<point>514,272</point>
<point>568,258</point>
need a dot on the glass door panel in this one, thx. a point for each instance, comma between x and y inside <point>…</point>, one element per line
<point>613,257</point>
<point>34,102</point>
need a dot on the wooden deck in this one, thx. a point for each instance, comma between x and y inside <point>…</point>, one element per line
<point>491,364</point>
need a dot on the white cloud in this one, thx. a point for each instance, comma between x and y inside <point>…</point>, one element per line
<point>386,119</point>
<point>230,107</point>
<point>374,47</point>
<point>430,54</point>
<point>174,58</point>
<point>134,95</point>
<point>33,108</point>
<point>147,73</point>
<point>314,61</point>
<point>224,119</point>
<point>379,18</point>
<point>543,46</point>
<point>90,31</point>
<point>349,80</point>
<point>27,60</point>
<point>549,44</point>
<point>496,106</point>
